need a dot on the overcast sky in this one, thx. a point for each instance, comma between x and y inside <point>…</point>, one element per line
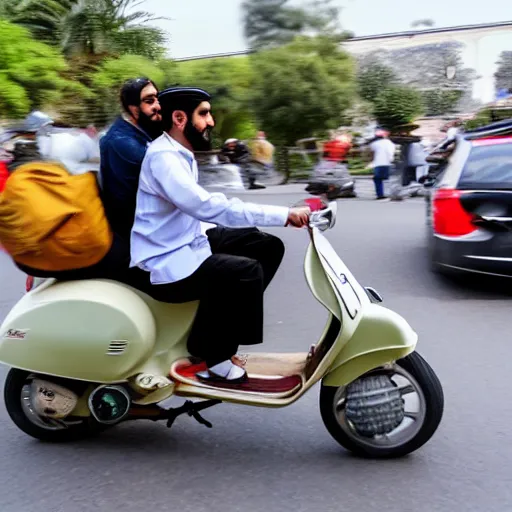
<point>199,27</point>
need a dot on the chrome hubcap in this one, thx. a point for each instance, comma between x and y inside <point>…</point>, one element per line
<point>413,414</point>
<point>36,419</point>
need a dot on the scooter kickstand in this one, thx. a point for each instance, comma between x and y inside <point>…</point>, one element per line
<point>192,409</point>
<point>200,419</point>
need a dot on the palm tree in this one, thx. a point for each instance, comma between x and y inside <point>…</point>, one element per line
<point>89,28</point>
<point>104,27</point>
<point>42,17</point>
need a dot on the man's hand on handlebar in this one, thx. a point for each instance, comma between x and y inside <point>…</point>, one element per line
<point>298,217</point>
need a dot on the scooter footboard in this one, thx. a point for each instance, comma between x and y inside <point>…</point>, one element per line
<point>381,337</point>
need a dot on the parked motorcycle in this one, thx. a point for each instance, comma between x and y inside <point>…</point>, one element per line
<point>331,179</point>
<point>87,355</point>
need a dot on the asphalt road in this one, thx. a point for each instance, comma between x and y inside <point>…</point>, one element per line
<point>284,460</point>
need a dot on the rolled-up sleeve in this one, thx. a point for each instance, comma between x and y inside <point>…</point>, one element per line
<point>174,181</point>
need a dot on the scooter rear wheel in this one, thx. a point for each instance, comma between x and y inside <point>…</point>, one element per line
<point>360,416</point>
<point>18,407</point>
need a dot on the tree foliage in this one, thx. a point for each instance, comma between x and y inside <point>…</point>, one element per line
<point>108,27</point>
<point>30,71</point>
<point>503,75</point>
<point>310,96</point>
<point>42,17</point>
<point>271,23</point>
<point>230,82</point>
<point>438,102</point>
<point>89,27</point>
<point>397,106</point>
<point>374,76</point>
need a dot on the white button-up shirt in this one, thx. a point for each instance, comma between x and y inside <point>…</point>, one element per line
<point>383,153</point>
<point>168,237</point>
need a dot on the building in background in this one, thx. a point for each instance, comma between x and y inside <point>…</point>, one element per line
<point>479,46</point>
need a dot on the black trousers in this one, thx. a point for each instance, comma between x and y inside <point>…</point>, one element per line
<point>229,286</point>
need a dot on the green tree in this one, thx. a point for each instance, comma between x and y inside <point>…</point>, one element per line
<point>310,96</point>
<point>503,75</point>
<point>230,82</point>
<point>271,23</point>
<point>109,27</point>
<point>42,17</point>
<point>373,77</point>
<point>397,106</point>
<point>439,102</point>
<point>94,28</point>
<point>30,72</point>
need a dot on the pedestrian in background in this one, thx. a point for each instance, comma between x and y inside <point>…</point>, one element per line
<point>263,151</point>
<point>383,156</point>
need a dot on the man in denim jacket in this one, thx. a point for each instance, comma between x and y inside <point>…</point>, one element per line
<point>122,150</point>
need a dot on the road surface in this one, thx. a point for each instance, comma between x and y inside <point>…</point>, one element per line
<point>284,460</point>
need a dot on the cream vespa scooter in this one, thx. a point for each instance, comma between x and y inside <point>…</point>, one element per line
<point>87,355</point>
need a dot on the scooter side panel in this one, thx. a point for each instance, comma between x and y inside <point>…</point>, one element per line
<point>91,330</point>
<point>173,324</point>
<point>381,337</point>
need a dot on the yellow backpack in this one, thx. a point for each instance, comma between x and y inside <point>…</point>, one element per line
<point>51,220</point>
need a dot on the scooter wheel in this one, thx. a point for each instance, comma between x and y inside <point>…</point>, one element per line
<point>371,418</point>
<point>29,422</point>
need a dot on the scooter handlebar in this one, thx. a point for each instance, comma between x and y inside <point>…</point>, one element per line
<point>324,219</point>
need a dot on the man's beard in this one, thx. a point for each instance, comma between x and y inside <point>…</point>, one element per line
<point>152,128</point>
<point>200,141</point>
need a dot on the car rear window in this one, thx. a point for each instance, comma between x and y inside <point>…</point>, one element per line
<point>489,166</point>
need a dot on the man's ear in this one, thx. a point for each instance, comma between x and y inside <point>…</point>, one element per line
<point>179,119</point>
<point>134,111</point>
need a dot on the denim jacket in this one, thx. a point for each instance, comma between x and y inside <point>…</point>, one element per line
<point>122,150</point>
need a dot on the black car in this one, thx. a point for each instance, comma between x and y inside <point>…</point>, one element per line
<point>469,205</point>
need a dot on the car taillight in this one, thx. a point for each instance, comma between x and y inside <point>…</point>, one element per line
<point>449,216</point>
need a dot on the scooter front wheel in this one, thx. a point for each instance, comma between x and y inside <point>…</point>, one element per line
<point>18,405</point>
<point>387,413</point>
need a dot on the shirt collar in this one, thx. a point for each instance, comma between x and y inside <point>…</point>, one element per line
<point>182,149</point>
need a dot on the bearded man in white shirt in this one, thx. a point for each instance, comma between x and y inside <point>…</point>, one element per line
<point>202,246</point>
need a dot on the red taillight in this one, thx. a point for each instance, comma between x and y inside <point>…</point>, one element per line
<point>29,283</point>
<point>449,216</point>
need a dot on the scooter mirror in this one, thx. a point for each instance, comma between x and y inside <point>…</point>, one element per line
<point>324,219</point>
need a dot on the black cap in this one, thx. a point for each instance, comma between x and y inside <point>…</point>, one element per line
<point>182,98</point>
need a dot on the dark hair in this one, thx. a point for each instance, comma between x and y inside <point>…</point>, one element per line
<point>130,92</point>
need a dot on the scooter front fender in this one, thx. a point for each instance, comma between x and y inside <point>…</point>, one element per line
<point>381,337</point>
